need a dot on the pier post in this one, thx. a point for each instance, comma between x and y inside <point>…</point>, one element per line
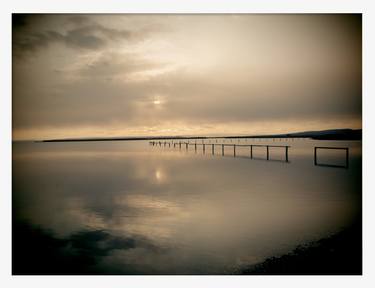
<point>187,146</point>
<point>195,147</point>
<point>234,150</point>
<point>286,154</point>
<point>315,156</point>
<point>213,149</point>
<point>204,148</point>
<point>347,157</point>
<point>180,145</point>
<point>222,149</point>
<point>251,151</point>
<point>268,153</point>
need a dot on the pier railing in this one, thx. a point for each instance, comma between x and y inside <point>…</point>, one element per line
<point>212,146</point>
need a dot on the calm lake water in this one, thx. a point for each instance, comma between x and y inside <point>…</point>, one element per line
<point>125,207</point>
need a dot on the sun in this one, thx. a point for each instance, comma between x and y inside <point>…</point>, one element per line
<point>157,102</point>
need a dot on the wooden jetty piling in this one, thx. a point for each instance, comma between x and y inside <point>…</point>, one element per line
<point>234,145</point>
<point>267,147</point>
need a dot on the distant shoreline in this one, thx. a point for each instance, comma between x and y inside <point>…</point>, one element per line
<point>337,134</point>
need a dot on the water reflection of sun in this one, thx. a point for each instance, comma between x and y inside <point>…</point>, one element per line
<point>158,175</point>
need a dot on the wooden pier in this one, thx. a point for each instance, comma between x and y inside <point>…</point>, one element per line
<point>211,145</point>
<point>223,145</point>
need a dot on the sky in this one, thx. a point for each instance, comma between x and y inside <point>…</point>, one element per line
<point>116,75</point>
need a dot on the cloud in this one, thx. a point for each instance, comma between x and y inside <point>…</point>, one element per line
<point>112,65</point>
<point>205,70</point>
<point>86,35</point>
<point>101,96</point>
<point>94,36</point>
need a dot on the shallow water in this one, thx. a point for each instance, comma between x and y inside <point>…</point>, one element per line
<point>124,207</point>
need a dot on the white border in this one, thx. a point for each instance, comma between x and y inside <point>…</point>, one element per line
<point>186,6</point>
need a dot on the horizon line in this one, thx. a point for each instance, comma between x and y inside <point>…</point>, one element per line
<point>303,134</point>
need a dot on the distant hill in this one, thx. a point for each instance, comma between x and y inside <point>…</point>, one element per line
<point>334,134</point>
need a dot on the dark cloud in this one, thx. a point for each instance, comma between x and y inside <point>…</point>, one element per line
<point>87,35</point>
<point>85,38</point>
<point>36,41</point>
<point>94,36</point>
